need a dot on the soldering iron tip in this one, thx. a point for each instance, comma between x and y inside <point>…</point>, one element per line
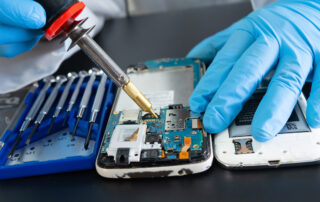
<point>153,113</point>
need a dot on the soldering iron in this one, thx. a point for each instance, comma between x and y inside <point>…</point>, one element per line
<point>61,19</point>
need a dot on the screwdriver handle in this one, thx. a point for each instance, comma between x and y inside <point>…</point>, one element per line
<point>86,95</point>
<point>45,109</point>
<point>72,76</point>
<point>37,103</point>
<point>100,92</point>
<point>82,75</point>
<point>88,90</point>
<point>98,99</point>
<point>36,106</point>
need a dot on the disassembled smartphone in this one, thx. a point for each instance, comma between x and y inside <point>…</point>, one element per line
<point>136,144</point>
<point>296,144</point>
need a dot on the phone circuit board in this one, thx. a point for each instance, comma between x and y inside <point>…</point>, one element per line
<point>134,137</point>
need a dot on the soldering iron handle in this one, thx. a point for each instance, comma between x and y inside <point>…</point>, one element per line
<point>54,9</point>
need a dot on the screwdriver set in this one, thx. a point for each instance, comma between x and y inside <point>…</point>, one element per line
<point>59,125</point>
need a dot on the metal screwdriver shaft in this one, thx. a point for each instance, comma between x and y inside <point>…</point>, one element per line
<point>73,99</point>
<point>47,106</point>
<point>85,99</point>
<point>96,107</point>
<point>71,76</point>
<point>32,113</point>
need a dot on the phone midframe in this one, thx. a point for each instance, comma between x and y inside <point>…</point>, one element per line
<point>171,78</point>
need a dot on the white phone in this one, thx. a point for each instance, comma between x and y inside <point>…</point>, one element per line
<point>136,144</point>
<point>296,144</point>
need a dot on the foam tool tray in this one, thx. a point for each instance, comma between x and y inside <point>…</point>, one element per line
<point>57,151</point>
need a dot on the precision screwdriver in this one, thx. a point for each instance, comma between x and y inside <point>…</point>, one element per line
<point>71,76</point>
<point>47,106</point>
<point>96,107</point>
<point>85,99</point>
<point>61,17</point>
<point>73,99</point>
<point>33,111</point>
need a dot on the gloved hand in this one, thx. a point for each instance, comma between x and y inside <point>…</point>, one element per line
<point>284,35</point>
<point>19,24</point>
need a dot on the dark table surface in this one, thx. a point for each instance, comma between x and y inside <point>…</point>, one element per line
<point>133,40</point>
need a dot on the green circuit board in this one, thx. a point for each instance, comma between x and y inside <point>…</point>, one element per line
<point>134,138</point>
<point>174,135</point>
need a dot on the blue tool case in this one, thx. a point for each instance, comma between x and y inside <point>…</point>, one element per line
<point>57,151</point>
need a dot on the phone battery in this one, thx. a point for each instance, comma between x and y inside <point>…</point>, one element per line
<point>241,126</point>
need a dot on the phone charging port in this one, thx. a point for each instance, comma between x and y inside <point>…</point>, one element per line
<point>274,163</point>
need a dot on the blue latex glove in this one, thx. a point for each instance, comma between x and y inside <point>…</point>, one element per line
<point>284,35</point>
<point>19,21</point>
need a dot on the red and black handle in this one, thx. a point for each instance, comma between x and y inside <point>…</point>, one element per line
<point>59,12</point>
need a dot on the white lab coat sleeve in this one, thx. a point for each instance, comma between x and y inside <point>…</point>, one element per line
<point>256,4</point>
<point>45,58</point>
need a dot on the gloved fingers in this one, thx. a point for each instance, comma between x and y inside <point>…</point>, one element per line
<point>313,103</point>
<point>240,84</point>
<point>283,91</point>
<point>207,49</point>
<point>10,34</point>
<point>11,50</point>
<point>22,13</point>
<point>219,69</point>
